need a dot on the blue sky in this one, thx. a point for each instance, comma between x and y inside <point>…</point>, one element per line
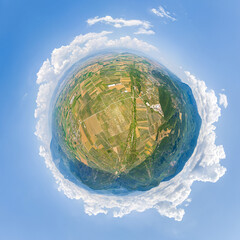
<point>203,40</point>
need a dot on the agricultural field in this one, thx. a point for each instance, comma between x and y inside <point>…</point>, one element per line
<point>116,113</point>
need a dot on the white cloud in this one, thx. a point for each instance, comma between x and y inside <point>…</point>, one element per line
<point>168,197</point>
<point>223,100</point>
<point>144,31</point>
<point>120,22</point>
<point>161,12</point>
<point>144,26</point>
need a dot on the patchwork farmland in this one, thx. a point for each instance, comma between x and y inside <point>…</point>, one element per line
<point>110,114</point>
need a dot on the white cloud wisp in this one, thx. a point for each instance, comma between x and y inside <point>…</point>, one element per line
<point>144,31</point>
<point>170,196</point>
<point>223,100</point>
<point>144,26</point>
<point>161,12</point>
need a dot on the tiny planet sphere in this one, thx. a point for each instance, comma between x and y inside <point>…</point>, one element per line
<point>122,123</point>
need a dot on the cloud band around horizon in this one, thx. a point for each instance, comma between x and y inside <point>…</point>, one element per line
<point>168,197</point>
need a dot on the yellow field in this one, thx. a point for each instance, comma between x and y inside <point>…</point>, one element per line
<point>93,127</point>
